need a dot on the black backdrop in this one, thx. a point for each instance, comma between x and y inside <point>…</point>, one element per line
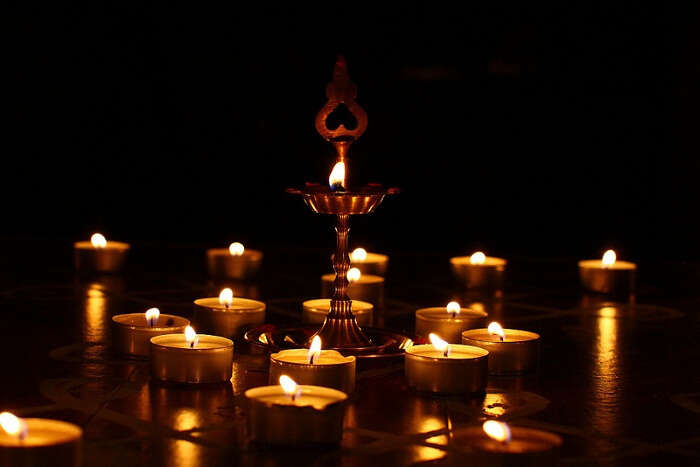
<point>524,131</point>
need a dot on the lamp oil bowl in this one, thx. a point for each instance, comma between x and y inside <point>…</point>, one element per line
<point>132,332</point>
<point>479,271</point>
<point>608,275</point>
<point>340,330</point>
<point>234,262</point>
<point>511,351</point>
<point>227,315</point>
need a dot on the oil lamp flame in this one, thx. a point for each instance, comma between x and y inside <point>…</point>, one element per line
<point>477,258</point>
<point>98,240</point>
<point>290,387</point>
<point>496,330</point>
<point>454,309</point>
<point>358,255</point>
<point>497,430</point>
<point>236,249</point>
<point>314,350</point>
<point>191,336</point>
<point>152,315</point>
<point>226,297</point>
<point>609,258</point>
<point>354,275</point>
<point>13,425</point>
<point>337,177</point>
<point>439,344</point>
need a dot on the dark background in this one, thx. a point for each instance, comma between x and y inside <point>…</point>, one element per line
<point>536,131</point>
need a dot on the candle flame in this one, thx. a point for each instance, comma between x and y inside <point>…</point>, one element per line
<point>439,344</point>
<point>337,177</point>
<point>13,425</point>
<point>358,255</point>
<point>315,350</point>
<point>477,258</point>
<point>290,387</point>
<point>354,275</point>
<point>496,330</point>
<point>497,430</point>
<point>453,308</point>
<point>226,297</point>
<point>191,336</point>
<point>98,240</point>
<point>236,249</point>
<point>152,315</point>
<point>609,258</point>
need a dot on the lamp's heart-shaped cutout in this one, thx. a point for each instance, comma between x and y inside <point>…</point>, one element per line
<point>341,115</point>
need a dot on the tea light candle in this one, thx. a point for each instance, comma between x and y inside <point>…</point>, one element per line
<point>445,368</point>
<point>289,414</point>
<point>479,271</point>
<point>132,332</point>
<point>100,255</point>
<point>496,444</point>
<point>315,311</point>
<point>608,275</point>
<point>234,262</point>
<point>448,322</point>
<point>511,351</point>
<point>228,316</point>
<point>191,358</point>
<point>39,441</point>
<point>367,288</point>
<point>315,367</point>
<point>369,263</point>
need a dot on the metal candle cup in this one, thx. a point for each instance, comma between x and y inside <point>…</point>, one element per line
<point>486,275</point>
<point>212,316</point>
<point>465,370</point>
<point>367,288</point>
<point>48,442</point>
<point>615,279</point>
<point>209,361</point>
<point>374,263</point>
<point>221,263</point>
<point>330,369</point>
<point>439,321</point>
<point>315,311</point>
<point>107,259</point>
<point>527,447</point>
<point>131,333</point>
<point>518,353</point>
<point>314,416</point>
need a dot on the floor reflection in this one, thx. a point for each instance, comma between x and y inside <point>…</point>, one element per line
<point>95,320</point>
<point>607,383</point>
<point>428,424</point>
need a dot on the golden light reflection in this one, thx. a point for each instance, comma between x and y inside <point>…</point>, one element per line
<point>497,430</point>
<point>495,405</point>
<point>477,258</point>
<point>95,320</point>
<point>185,453</point>
<point>358,255</point>
<point>428,424</point>
<point>236,249</point>
<point>354,275</point>
<point>477,306</point>
<point>607,388</point>
<point>609,258</point>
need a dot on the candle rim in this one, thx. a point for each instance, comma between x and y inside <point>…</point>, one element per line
<point>545,439</point>
<point>239,305</point>
<point>465,261</point>
<point>111,245</point>
<point>619,265</point>
<point>147,327</point>
<point>70,432</point>
<point>225,343</point>
<point>366,307</point>
<point>248,254</point>
<point>532,336</point>
<point>364,279</point>
<point>304,352</point>
<point>454,349</point>
<point>334,396</point>
<point>465,314</point>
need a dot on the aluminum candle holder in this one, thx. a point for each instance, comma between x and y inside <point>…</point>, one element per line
<point>340,330</point>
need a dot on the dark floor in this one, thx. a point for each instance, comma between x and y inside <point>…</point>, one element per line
<point>619,383</point>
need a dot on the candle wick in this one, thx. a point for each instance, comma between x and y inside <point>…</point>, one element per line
<point>502,338</point>
<point>192,344</point>
<point>454,314</point>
